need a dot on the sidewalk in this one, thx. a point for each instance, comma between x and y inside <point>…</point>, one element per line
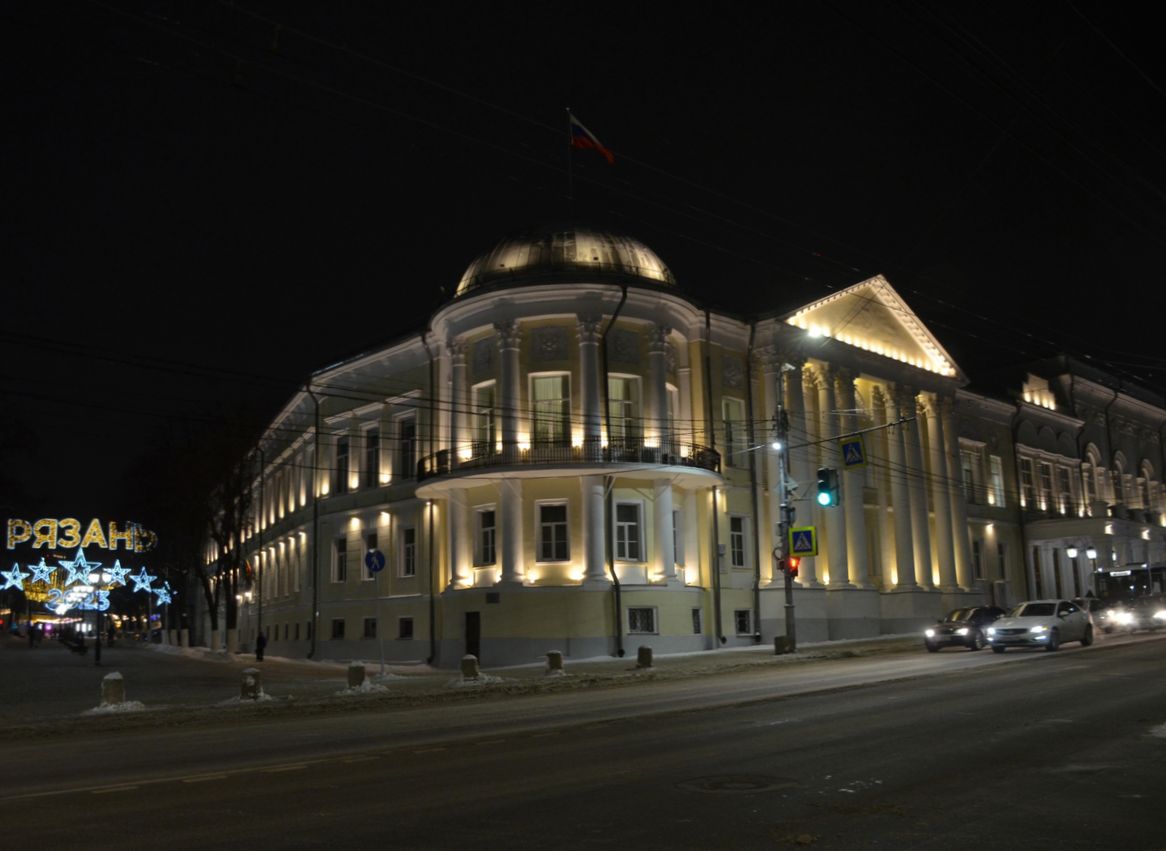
<point>50,687</point>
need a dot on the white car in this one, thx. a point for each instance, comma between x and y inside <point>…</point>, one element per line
<point>1041,623</point>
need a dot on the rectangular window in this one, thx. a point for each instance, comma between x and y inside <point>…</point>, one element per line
<point>297,631</point>
<point>1027,483</point>
<point>678,536</point>
<point>733,413</point>
<point>624,398</point>
<point>552,533</point>
<point>696,630</point>
<point>405,629</point>
<point>737,541</point>
<point>996,468</point>
<point>642,621</point>
<point>1046,486</point>
<point>372,457</point>
<point>338,628</point>
<point>370,545</point>
<point>340,483</point>
<point>408,552</point>
<point>485,434</point>
<point>1064,488</point>
<point>743,619</point>
<point>968,469</point>
<point>629,533</point>
<point>551,395</point>
<point>484,537</point>
<point>406,448</point>
<point>977,559</point>
<point>370,627</point>
<point>668,439</point>
<point>340,560</point>
<point>1000,563</point>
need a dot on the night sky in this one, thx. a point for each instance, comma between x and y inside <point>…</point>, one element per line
<point>208,201</point>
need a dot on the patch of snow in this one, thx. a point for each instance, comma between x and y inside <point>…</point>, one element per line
<point>1159,731</point>
<point>116,708</point>
<point>366,687</point>
<point>239,701</point>
<point>474,682</point>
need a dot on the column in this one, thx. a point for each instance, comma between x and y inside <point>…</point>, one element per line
<point>588,329</point>
<point>962,544</point>
<point>657,401</point>
<point>770,372</point>
<point>459,432</point>
<point>917,485</point>
<point>853,484</point>
<point>509,392</point>
<point>801,459</point>
<point>594,565</point>
<point>510,490</point>
<point>460,556</point>
<point>665,546</point>
<point>832,519</point>
<point>940,496</point>
<point>900,493</point>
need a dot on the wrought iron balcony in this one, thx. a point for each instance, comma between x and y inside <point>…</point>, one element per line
<point>556,454</point>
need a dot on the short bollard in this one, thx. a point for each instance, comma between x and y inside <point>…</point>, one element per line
<point>644,657</point>
<point>113,689</point>
<point>252,685</point>
<point>782,644</point>
<point>470,667</point>
<point>355,675</point>
<point>554,661</point>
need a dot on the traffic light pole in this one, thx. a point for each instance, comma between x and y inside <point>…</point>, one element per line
<point>786,520</point>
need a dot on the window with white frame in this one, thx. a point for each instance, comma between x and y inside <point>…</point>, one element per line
<point>406,466</point>
<point>484,536</point>
<point>678,535</point>
<point>340,560</point>
<point>485,425</point>
<point>968,462</point>
<point>736,439</point>
<point>669,438</point>
<point>1027,483</point>
<point>1064,490</point>
<point>1046,486</point>
<point>743,620</point>
<point>641,620</point>
<point>629,531</point>
<point>372,457</point>
<point>996,470</point>
<point>409,552</point>
<point>737,541</point>
<point>552,532</point>
<point>551,402</point>
<point>623,394</point>
<point>340,479</point>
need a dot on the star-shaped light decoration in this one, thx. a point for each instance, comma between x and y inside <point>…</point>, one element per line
<point>163,593</point>
<point>79,569</point>
<point>143,581</point>
<point>13,578</point>
<point>41,572</point>
<point>116,574</point>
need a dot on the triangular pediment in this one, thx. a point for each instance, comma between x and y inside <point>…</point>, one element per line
<point>873,317</point>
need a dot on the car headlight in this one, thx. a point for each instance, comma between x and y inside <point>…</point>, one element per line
<point>963,630</point>
<point>1038,629</point>
<point>930,633</point>
<point>1160,615</point>
<point>1123,618</point>
<point>991,630</point>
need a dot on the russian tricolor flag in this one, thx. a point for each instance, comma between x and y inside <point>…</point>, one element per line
<point>581,137</point>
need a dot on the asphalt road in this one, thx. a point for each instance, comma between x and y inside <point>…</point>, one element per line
<point>959,750</point>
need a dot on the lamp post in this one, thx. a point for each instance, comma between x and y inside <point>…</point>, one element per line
<point>98,579</point>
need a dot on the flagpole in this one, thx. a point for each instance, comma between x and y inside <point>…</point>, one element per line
<point>570,167</point>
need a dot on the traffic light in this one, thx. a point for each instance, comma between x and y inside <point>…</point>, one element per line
<point>828,496</point>
<point>792,566</point>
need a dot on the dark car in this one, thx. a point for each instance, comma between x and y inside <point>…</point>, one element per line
<point>961,627</point>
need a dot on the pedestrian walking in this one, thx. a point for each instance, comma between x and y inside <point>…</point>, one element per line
<point>260,646</point>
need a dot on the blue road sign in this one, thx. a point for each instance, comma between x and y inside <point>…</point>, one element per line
<point>374,560</point>
<point>853,451</point>
<point>803,541</point>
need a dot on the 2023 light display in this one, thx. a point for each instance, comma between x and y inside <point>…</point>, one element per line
<point>74,592</point>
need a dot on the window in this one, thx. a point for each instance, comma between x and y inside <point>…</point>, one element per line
<point>407,447</point>
<point>340,560</point>
<point>668,438</point>
<point>996,468</point>
<point>297,631</point>
<point>737,541</point>
<point>370,544</point>
<point>552,533</point>
<point>642,621</point>
<point>696,630</point>
<point>1046,485</point>
<point>338,628</point>
<point>733,413</point>
<point>1027,483</point>
<point>977,559</point>
<point>1088,488</point>
<point>370,627</point>
<point>623,395</point>
<point>405,628</point>
<point>484,537</point>
<point>1000,562</point>
<point>743,618</point>
<point>678,536</point>
<point>340,485</point>
<point>1064,490</point>
<point>629,533</point>
<point>372,457</point>
<point>968,469</point>
<point>552,409</point>
<point>485,435</point>
<point>408,552</point>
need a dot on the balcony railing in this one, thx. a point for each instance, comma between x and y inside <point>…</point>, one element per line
<point>554,454</point>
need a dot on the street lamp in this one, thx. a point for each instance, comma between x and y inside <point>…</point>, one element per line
<point>98,579</point>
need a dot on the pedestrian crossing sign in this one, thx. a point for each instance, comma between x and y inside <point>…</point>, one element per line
<point>853,452</point>
<point>803,541</point>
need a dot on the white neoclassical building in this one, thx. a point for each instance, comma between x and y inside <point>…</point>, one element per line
<point>576,456</point>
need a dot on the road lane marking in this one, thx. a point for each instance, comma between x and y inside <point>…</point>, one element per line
<point>353,759</point>
<point>429,750</point>
<point>110,789</point>
<point>278,768</point>
<point>202,778</point>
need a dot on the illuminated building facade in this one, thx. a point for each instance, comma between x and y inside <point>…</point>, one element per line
<point>575,456</point>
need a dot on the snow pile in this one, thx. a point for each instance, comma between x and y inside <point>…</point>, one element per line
<point>366,687</point>
<point>116,708</point>
<point>242,701</point>
<point>474,682</point>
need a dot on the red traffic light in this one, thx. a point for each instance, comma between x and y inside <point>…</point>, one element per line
<point>792,566</point>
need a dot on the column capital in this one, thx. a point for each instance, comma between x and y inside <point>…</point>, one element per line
<point>588,327</point>
<point>457,351</point>
<point>509,335</point>
<point>658,339</point>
